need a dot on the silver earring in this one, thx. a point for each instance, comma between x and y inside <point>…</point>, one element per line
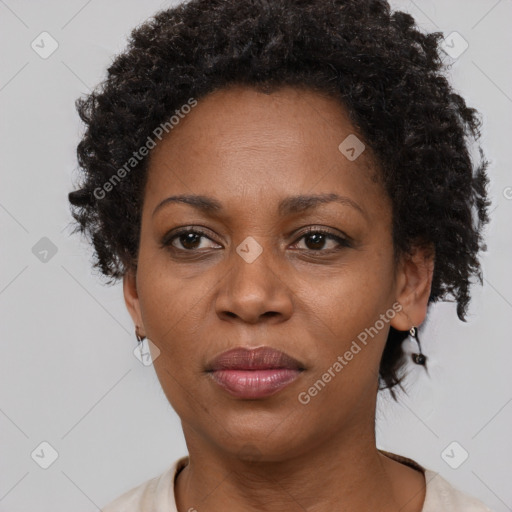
<point>417,358</point>
<point>138,336</point>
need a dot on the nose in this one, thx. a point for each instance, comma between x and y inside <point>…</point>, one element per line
<point>254,291</point>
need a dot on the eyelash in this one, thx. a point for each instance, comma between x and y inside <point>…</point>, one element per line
<point>343,242</point>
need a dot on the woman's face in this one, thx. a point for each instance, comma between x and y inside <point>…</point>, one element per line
<point>254,277</point>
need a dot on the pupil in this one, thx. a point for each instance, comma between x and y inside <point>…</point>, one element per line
<point>189,238</point>
<point>318,240</point>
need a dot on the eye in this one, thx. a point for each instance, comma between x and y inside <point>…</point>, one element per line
<point>189,239</point>
<point>315,240</point>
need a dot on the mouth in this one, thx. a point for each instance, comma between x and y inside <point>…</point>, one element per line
<point>261,358</point>
<point>254,373</point>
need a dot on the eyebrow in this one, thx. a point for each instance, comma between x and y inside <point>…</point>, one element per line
<point>288,206</point>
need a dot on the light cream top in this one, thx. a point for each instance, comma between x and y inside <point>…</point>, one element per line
<point>157,494</point>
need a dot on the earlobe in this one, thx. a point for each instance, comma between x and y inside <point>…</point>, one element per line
<point>131,298</point>
<point>414,282</point>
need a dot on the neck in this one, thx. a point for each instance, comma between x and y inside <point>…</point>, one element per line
<point>348,473</point>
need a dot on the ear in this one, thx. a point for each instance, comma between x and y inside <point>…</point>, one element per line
<point>413,285</point>
<point>131,299</point>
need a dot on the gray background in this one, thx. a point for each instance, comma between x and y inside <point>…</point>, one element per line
<point>68,373</point>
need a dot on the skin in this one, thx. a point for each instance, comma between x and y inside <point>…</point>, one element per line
<point>306,297</point>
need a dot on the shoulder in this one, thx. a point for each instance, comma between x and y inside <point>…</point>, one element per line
<point>441,496</point>
<point>155,494</point>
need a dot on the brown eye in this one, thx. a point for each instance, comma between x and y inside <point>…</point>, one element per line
<point>316,240</point>
<point>188,240</point>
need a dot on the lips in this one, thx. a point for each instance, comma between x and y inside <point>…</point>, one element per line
<point>261,358</point>
<point>252,374</point>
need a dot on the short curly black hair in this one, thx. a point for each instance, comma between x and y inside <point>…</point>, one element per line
<point>387,73</point>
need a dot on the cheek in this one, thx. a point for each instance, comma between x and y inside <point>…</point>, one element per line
<point>348,294</point>
<point>346,309</point>
<point>169,311</point>
<point>165,303</point>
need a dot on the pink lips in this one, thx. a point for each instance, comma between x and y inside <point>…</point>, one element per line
<point>254,373</point>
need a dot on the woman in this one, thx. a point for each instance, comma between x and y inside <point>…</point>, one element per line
<point>284,188</point>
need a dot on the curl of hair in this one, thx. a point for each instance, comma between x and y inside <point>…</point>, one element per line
<point>388,75</point>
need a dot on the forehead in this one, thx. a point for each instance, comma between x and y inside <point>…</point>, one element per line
<point>240,139</point>
<point>292,120</point>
